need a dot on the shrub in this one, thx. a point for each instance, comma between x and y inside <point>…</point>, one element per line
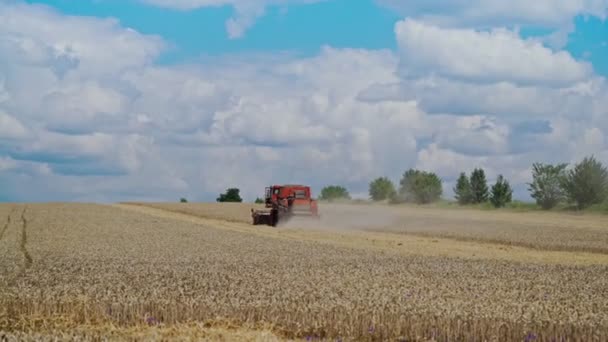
<point>381,189</point>
<point>231,195</point>
<point>334,192</point>
<point>546,187</point>
<point>587,183</point>
<point>259,201</point>
<point>420,187</point>
<point>183,200</point>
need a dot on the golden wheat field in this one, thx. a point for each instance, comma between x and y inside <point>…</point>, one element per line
<point>201,272</point>
<point>537,230</point>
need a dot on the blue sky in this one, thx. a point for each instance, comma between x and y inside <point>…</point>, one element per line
<point>590,42</point>
<point>298,28</point>
<point>107,100</point>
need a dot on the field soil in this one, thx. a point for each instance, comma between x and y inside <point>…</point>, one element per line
<point>202,271</point>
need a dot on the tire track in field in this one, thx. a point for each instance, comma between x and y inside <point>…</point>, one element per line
<point>26,255</point>
<point>7,224</point>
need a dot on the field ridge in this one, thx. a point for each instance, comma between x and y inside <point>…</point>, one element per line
<point>7,224</point>
<point>23,243</point>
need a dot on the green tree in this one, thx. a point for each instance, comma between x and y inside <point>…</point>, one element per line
<point>546,187</point>
<point>183,200</point>
<point>587,183</point>
<point>381,189</point>
<point>462,190</point>
<point>259,201</point>
<point>334,192</point>
<point>420,187</point>
<point>231,195</point>
<point>501,193</point>
<point>479,186</point>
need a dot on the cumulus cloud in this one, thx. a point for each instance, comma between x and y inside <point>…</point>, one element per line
<point>499,55</point>
<point>507,100</point>
<point>61,79</point>
<point>78,125</point>
<point>38,36</point>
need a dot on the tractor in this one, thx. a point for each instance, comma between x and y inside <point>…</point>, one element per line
<point>284,202</point>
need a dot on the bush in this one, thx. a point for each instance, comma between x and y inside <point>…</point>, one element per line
<point>501,193</point>
<point>587,183</point>
<point>420,187</point>
<point>231,195</point>
<point>479,186</point>
<point>334,192</point>
<point>381,189</point>
<point>546,187</point>
<point>462,190</point>
<point>259,201</point>
<point>599,208</point>
<point>183,200</point>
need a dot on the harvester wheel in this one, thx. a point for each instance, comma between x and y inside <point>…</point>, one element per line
<point>274,218</point>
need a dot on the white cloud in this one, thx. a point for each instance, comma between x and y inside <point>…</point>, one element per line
<point>492,13</point>
<point>510,101</point>
<point>594,137</point>
<point>499,55</point>
<point>446,162</point>
<point>473,135</point>
<point>80,127</point>
<point>10,127</point>
<point>35,35</point>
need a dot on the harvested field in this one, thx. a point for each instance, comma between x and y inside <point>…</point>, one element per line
<point>537,230</point>
<point>145,273</point>
<point>540,230</point>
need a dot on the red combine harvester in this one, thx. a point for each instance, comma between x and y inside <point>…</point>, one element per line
<point>285,202</point>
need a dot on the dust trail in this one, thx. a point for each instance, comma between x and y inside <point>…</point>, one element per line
<point>347,217</point>
<point>7,224</point>
<point>26,254</point>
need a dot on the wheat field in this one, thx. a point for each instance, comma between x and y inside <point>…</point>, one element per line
<point>201,272</point>
<point>536,230</point>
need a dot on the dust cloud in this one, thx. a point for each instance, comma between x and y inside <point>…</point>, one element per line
<point>347,217</point>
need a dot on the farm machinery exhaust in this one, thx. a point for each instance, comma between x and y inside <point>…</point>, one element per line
<point>284,202</point>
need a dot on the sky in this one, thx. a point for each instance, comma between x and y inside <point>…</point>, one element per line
<point>154,100</point>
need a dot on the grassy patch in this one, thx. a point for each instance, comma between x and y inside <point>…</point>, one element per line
<point>522,206</point>
<point>601,208</point>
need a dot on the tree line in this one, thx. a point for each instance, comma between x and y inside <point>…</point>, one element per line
<point>582,186</point>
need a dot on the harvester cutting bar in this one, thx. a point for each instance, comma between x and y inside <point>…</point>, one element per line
<point>263,217</point>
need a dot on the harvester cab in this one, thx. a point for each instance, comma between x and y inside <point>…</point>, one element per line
<point>283,202</point>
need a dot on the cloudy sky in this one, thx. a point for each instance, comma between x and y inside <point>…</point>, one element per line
<point>112,100</point>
